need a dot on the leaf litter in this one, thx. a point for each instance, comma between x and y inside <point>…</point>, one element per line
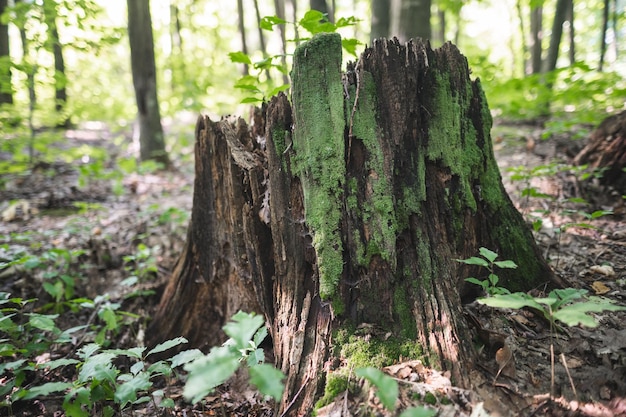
<point>511,376</point>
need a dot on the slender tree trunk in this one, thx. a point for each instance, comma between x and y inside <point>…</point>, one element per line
<point>6,88</point>
<point>410,19</point>
<point>177,61</point>
<point>151,140</point>
<point>261,36</point>
<point>536,33</point>
<point>381,19</point>
<point>572,33</point>
<point>242,32</point>
<point>60,80</point>
<point>320,6</point>
<point>280,12</point>
<point>368,187</point>
<point>441,29</point>
<point>615,28</point>
<point>557,32</point>
<point>523,34</point>
<point>605,27</point>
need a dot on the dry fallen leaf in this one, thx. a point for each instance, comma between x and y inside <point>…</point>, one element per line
<point>606,270</point>
<point>505,361</point>
<point>599,288</point>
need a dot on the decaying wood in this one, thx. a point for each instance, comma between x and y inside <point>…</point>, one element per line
<point>399,146</point>
<point>606,151</point>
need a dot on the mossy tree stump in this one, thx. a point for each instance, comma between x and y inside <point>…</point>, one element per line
<point>350,206</point>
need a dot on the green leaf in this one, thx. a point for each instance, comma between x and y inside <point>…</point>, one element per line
<point>160,368</point>
<point>473,280</point>
<point>516,300</point>
<point>488,254</point>
<point>278,89</point>
<point>418,412</point>
<point>185,357</point>
<point>46,389</point>
<point>57,363</point>
<point>268,380</point>
<point>98,367</point>
<point>251,100</point>
<point>242,328</point>
<point>248,87</point>
<point>168,344</point>
<point>505,264</point>
<point>268,22</point>
<point>576,313</point>
<point>240,57</point>
<point>600,213</point>
<point>387,386</point>
<point>350,45</point>
<point>208,372</point>
<point>127,392</point>
<point>260,336</point>
<point>42,321</point>
<point>109,318</point>
<point>474,261</point>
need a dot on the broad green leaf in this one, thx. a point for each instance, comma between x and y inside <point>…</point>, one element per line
<point>268,22</point>
<point>346,21</point>
<point>515,301</point>
<point>13,365</point>
<point>208,372</point>
<point>242,328</point>
<point>255,357</point>
<point>109,318</point>
<point>88,350</point>
<point>474,261</point>
<point>418,412</point>
<point>599,213</point>
<point>350,45</point>
<point>240,57</point>
<point>268,380</point>
<point>42,321</point>
<point>248,87</point>
<point>251,100</point>
<point>185,357</point>
<point>576,313</point>
<point>260,336</point>
<point>387,386</point>
<point>46,389</point>
<point>278,89</point>
<point>505,264</point>
<point>127,392</point>
<point>137,367</point>
<point>565,296</point>
<point>160,368</point>
<point>488,254</point>
<point>473,280</point>
<point>316,22</point>
<point>168,344</point>
<point>57,363</point>
<point>98,367</point>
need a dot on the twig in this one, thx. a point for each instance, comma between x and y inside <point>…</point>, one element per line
<point>569,376</point>
<point>293,401</point>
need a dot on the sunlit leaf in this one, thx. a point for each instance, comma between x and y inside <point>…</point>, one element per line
<point>488,254</point>
<point>185,357</point>
<point>387,386</point>
<point>505,264</point>
<point>208,372</point>
<point>46,389</point>
<point>240,57</point>
<point>168,344</point>
<point>127,392</point>
<point>474,261</point>
<point>242,328</point>
<point>268,380</point>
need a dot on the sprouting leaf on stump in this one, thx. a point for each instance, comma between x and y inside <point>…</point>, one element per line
<point>268,380</point>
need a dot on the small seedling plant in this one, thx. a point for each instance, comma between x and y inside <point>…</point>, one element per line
<point>487,260</point>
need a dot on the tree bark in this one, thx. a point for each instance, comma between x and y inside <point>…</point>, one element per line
<point>151,140</point>
<point>605,27</point>
<point>555,37</point>
<point>60,80</point>
<point>6,88</point>
<point>242,32</point>
<point>606,150</point>
<point>536,36</point>
<point>351,208</point>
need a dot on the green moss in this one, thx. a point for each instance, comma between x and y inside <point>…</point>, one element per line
<point>336,383</point>
<point>362,351</point>
<point>380,213</point>
<point>318,144</point>
<point>405,313</point>
<point>430,398</point>
<point>278,137</point>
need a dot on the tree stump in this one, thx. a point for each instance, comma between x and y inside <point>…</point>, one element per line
<point>606,150</point>
<point>350,207</point>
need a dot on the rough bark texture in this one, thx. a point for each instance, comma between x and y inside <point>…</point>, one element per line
<point>151,140</point>
<point>350,209</point>
<point>606,150</point>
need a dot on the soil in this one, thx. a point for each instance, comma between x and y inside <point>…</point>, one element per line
<point>531,369</point>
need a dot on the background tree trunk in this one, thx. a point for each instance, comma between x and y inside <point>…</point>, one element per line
<point>380,19</point>
<point>560,15</point>
<point>410,19</point>
<point>605,27</point>
<point>6,89</point>
<point>351,209</point>
<point>54,44</point>
<point>536,36</point>
<point>151,140</point>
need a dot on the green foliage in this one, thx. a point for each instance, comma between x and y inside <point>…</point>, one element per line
<point>246,332</point>
<point>488,261</point>
<point>258,87</point>
<point>387,392</point>
<point>570,306</point>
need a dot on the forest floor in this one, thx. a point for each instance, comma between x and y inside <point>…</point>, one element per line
<point>76,237</point>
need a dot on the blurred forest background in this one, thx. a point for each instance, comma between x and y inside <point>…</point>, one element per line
<point>66,62</point>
